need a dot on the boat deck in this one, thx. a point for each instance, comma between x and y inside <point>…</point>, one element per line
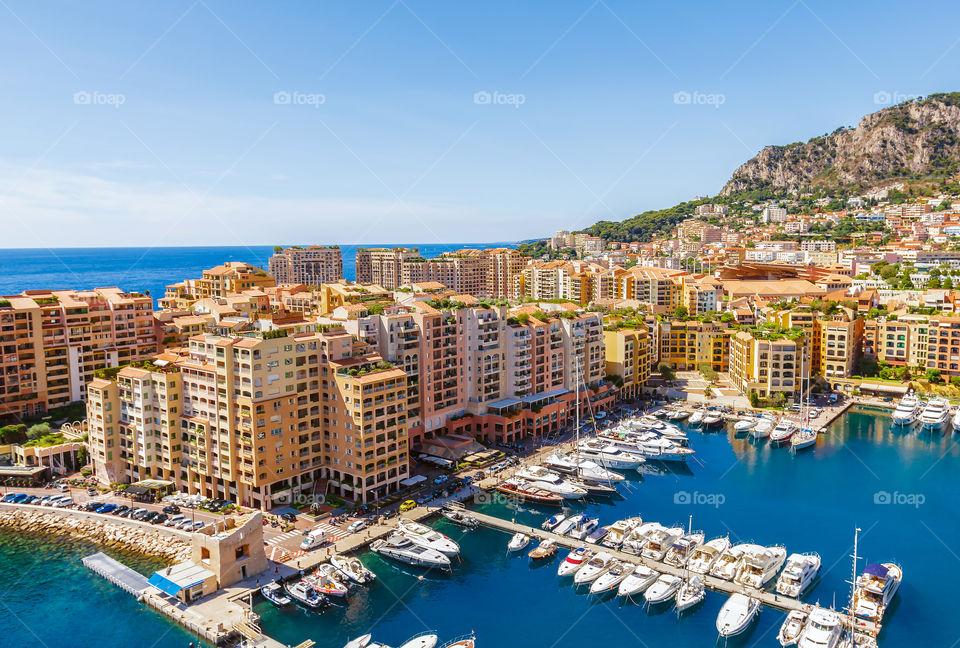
<point>771,599</point>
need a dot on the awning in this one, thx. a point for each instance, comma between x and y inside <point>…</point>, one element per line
<point>136,490</point>
<point>412,481</point>
<point>884,388</point>
<point>164,585</point>
<point>170,580</point>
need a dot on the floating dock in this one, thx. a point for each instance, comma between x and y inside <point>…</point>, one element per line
<point>129,580</point>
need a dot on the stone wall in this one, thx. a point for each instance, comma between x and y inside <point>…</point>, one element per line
<point>116,533</point>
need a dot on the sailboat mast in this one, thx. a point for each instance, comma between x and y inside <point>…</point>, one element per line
<point>853,580</point>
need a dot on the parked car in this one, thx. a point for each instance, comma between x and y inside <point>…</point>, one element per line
<point>441,479</point>
<point>196,526</point>
<point>139,514</point>
<point>53,500</point>
<point>159,519</point>
<point>120,510</point>
<point>64,502</point>
<point>289,517</point>
<point>106,508</point>
<point>151,516</point>
<point>408,505</point>
<point>62,488</point>
<point>174,520</point>
<point>359,525</point>
<point>92,506</point>
<point>184,524</point>
<point>31,499</point>
<point>170,510</point>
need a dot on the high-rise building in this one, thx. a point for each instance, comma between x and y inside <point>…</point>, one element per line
<point>767,364</point>
<point>383,266</point>
<point>312,266</point>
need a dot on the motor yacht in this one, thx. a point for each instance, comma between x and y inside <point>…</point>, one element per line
<point>706,555</point>
<point>783,431</point>
<point>523,491</point>
<point>677,415</point>
<point>736,614</point>
<point>661,449</point>
<point>618,530</point>
<point>273,592</point>
<point>682,549</point>
<point>726,566</point>
<point>608,455</point>
<point>744,425</point>
<point>584,468</point>
<point>593,568</point>
<point>875,588</point>
<point>639,580</point>
<point>328,581</point>
<point>460,517</point>
<point>822,629</point>
<point>574,561</point>
<point>553,522</point>
<point>426,639</point>
<point>584,528</point>
<point>789,633</point>
<point>759,565</point>
<point>696,418</point>
<point>663,589</point>
<point>955,424</point>
<point>548,480</point>
<point>306,594</point>
<point>690,593</point>
<point>636,539</point>
<point>352,569</point>
<point>763,428</point>
<point>612,578</point>
<point>424,535</point>
<point>659,542</point>
<point>518,542</point>
<point>594,488</point>
<point>597,534</point>
<point>568,524</point>
<point>934,415</point>
<point>799,574</point>
<point>546,549</point>
<point>403,549</point>
<point>710,419</point>
<point>803,439</point>
<point>907,410</point>
<point>360,642</point>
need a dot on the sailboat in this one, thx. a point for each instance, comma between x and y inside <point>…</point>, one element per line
<point>804,437</point>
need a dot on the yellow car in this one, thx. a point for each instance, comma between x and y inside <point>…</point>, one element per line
<point>406,506</point>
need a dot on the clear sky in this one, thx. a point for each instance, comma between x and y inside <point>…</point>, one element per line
<point>206,122</point>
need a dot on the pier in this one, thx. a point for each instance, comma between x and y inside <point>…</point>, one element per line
<point>127,579</point>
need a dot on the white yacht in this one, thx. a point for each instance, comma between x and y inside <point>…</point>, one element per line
<point>907,410</point>
<point>585,527</point>
<point>744,425</point>
<point>677,414</point>
<point>706,555</point>
<point>612,578</point>
<point>696,418</point>
<point>797,576</point>
<point>690,593</point>
<point>736,614</point>
<point>661,449</point>
<point>618,531</point>
<point>803,438</point>
<point>586,469</point>
<point>659,542</point>
<point>762,429</point>
<point>574,561</point>
<point>727,565</point>
<point>550,481</point>
<point>518,542</point>
<point>783,431</point>
<point>424,535</point>
<point>403,549</point>
<point>641,578</point>
<point>568,524</point>
<point>935,414</point>
<point>822,630</point>
<point>759,566</point>
<point>956,421</point>
<point>875,588</point>
<point>636,539</point>
<point>663,589</point>
<point>608,456</point>
<point>711,418</point>
<point>682,549</point>
<point>553,522</point>
<point>353,569</point>
<point>593,568</point>
<point>791,628</point>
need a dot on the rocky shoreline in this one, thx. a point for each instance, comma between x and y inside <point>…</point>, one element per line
<point>115,536</point>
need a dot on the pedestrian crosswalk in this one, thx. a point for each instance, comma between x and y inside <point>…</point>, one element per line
<point>278,539</point>
<point>333,532</point>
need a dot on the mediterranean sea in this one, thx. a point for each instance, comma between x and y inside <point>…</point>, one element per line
<point>144,269</point>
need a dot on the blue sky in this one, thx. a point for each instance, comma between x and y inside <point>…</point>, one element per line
<point>212,122</point>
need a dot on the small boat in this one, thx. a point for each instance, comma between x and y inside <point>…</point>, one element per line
<point>907,410</point>
<point>677,415</point>
<point>682,549</point>
<point>803,439</point>
<point>696,418</point>
<point>467,641</point>
<point>783,431</point>
<point>597,535</point>
<point>553,522</point>
<point>641,578</point>
<point>460,517</point>
<point>328,581</point>
<point>710,419</point>
<point>305,593</point>
<point>402,549</point>
<point>762,429</point>
<point>424,535</point>
<point>573,561</point>
<point>705,556</point>
<point>792,626</point>
<point>726,566</point>
<point>744,425</point>
<point>736,614</point>
<point>759,565</point>
<point>423,640</point>
<point>659,541</point>
<point>546,549</point>
<point>612,578</point>
<point>875,588</point>
<point>360,642</point>
<point>955,424</point>
<point>691,593</point>
<point>618,530</point>
<point>593,568</point>
<point>584,528</point>
<point>273,592</point>
<point>521,490</point>
<point>353,569</point>
<point>822,630</point>
<point>799,574</point>
<point>663,589</point>
<point>567,525</point>
<point>518,542</point>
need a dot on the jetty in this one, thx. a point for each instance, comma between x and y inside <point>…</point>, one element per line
<point>130,581</point>
<point>771,599</point>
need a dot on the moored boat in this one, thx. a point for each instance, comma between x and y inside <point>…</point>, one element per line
<point>803,438</point>
<point>663,589</point>
<point>612,578</point>
<point>736,614</point>
<point>352,569</point>
<point>822,629</point>
<point>573,561</point>
<point>726,566</point>
<point>789,633</point>
<point>424,535</point>
<point>546,549</point>
<point>639,580</point>
<point>682,549</point>
<point>618,530</point>
<point>328,581</point>
<point>875,588</point>
<point>935,415</point>
<point>304,593</point>
<point>782,432</point>
<point>907,410</point>
<point>759,565</point>
<point>744,425</point>
<point>800,572</point>
<point>691,593</point>
<point>460,517</point>
<point>273,592</point>
<point>583,528</point>
<point>522,491</point>
<point>553,522</point>
<point>593,568</point>
<point>402,549</point>
<point>763,428</point>
<point>518,542</point>
<point>540,477</point>
<point>706,555</point>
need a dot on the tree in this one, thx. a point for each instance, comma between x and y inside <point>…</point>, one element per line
<point>13,433</point>
<point>935,273</point>
<point>932,375</point>
<point>933,283</point>
<point>37,431</point>
<point>754,399</point>
<point>726,317</point>
<point>680,313</point>
<point>666,371</point>
<point>873,314</point>
<point>277,249</point>
<point>947,284</point>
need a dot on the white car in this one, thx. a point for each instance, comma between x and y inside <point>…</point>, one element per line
<point>359,525</point>
<point>53,500</point>
<point>64,502</point>
<point>196,526</point>
<point>175,520</point>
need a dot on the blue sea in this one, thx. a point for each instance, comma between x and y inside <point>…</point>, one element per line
<point>145,269</point>
<point>899,487</point>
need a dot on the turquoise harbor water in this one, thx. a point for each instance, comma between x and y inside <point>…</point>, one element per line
<point>739,487</point>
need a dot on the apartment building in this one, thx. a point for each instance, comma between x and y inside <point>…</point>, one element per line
<point>656,286</point>
<point>943,350</point>
<point>231,278</point>
<point>260,420</point>
<point>628,355</point>
<point>383,266</point>
<point>841,341</point>
<point>765,364</point>
<point>312,266</point>
<point>685,345</point>
<point>701,294</point>
<point>51,342</point>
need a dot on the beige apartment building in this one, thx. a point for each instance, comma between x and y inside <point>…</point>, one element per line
<point>312,266</point>
<point>841,341</point>
<point>766,365</point>
<point>51,342</point>
<point>260,420</point>
<point>383,266</point>
<point>628,356</point>
<point>231,278</point>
